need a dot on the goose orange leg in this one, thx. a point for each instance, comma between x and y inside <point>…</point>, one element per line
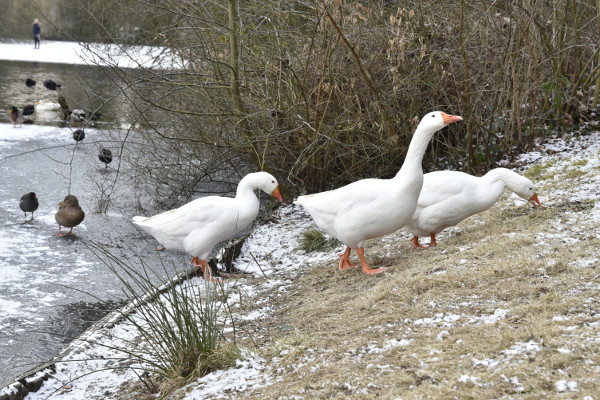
<point>345,260</point>
<point>202,265</point>
<point>415,242</point>
<point>365,267</point>
<point>432,242</point>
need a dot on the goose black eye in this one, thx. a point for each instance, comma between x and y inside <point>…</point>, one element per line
<point>530,188</point>
<point>433,116</point>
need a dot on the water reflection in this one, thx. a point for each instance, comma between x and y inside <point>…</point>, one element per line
<point>73,318</point>
<point>84,87</point>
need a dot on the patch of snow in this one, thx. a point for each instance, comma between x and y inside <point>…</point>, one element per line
<point>518,386</point>
<point>563,350</point>
<point>571,328</point>
<point>220,384</point>
<point>469,378</point>
<point>90,54</point>
<point>523,347</point>
<point>563,386</point>
<point>498,315</point>
<point>488,362</point>
<point>388,344</point>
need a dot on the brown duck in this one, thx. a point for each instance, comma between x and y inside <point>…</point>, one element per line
<point>69,214</point>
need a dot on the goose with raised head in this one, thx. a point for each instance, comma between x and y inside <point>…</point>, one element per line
<point>371,208</point>
<point>196,227</point>
<point>448,197</point>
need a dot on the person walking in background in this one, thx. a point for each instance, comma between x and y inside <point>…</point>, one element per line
<point>37,29</point>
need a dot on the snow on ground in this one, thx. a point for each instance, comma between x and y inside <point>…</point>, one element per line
<point>271,251</point>
<point>89,54</point>
<point>10,135</point>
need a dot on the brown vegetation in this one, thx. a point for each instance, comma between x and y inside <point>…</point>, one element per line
<point>322,93</point>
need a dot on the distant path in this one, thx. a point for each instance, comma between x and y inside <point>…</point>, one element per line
<point>89,54</point>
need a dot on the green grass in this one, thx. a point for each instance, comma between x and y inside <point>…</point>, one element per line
<point>574,174</point>
<point>313,240</point>
<point>539,172</point>
<point>580,163</point>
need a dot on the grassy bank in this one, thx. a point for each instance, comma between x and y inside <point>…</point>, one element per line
<point>504,307</point>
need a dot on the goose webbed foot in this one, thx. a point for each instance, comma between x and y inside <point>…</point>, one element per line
<point>205,271</point>
<point>345,263</point>
<point>365,267</point>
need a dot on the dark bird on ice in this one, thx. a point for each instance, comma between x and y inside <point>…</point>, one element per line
<point>29,203</point>
<point>69,214</point>
<point>105,156</point>
<point>78,135</point>
<point>29,82</point>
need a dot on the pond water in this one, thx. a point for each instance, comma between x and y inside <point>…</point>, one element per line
<point>84,87</point>
<point>53,288</point>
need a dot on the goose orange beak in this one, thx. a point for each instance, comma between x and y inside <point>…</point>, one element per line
<point>450,119</point>
<point>276,194</point>
<point>534,200</point>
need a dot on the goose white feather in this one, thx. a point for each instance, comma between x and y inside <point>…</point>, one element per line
<point>196,227</point>
<point>448,197</point>
<point>47,106</point>
<point>370,208</point>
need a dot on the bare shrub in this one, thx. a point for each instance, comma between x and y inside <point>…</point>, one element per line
<point>322,93</point>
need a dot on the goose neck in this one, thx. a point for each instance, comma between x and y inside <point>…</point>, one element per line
<point>501,175</point>
<point>416,149</point>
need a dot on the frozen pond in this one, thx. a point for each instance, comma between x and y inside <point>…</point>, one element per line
<point>43,278</point>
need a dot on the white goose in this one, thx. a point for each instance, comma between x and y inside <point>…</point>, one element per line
<point>370,208</point>
<point>448,197</point>
<point>196,227</point>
